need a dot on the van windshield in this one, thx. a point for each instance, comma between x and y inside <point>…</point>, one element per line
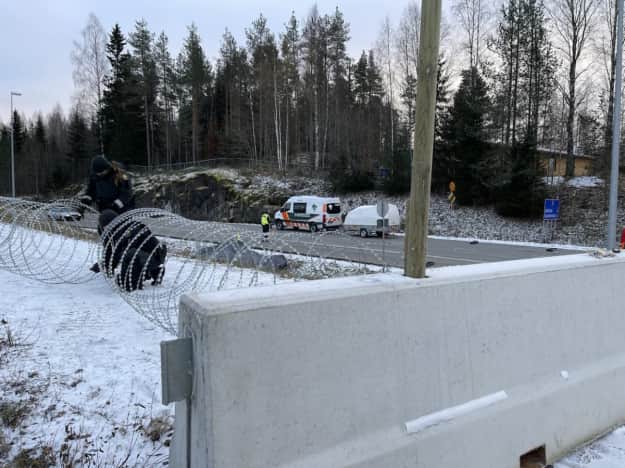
<point>333,208</point>
<point>299,207</point>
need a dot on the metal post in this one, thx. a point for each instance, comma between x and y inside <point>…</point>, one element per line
<point>12,146</point>
<point>419,202</point>
<point>616,129</point>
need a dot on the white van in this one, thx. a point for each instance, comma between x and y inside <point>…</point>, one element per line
<point>365,220</point>
<point>309,212</point>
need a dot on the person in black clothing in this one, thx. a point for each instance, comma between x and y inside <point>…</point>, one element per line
<point>131,244</point>
<point>109,186</point>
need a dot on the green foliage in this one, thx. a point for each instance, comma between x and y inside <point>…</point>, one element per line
<point>122,110</point>
<point>346,179</point>
<point>442,96</point>
<point>465,157</point>
<point>19,132</point>
<point>398,181</point>
<point>519,192</point>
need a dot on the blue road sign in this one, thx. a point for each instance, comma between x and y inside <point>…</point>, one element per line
<point>552,209</point>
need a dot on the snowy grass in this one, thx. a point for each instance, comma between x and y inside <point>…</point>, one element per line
<point>606,452</point>
<point>81,375</point>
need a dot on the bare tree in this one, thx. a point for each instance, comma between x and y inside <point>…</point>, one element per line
<point>407,39</point>
<point>90,68</point>
<point>383,49</point>
<point>605,48</point>
<point>573,23</point>
<point>472,16</point>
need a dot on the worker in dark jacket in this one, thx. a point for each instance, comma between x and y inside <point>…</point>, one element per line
<point>131,244</point>
<point>109,186</point>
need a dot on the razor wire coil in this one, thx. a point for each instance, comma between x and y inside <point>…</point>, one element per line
<point>151,257</point>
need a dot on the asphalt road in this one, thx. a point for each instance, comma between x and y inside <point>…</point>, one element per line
<point>342,246</point>
<point>390,251</point>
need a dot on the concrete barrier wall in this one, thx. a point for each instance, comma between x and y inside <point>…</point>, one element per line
<point>328,373</point>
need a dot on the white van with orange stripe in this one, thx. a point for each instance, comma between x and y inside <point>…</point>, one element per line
<point>310,213</point>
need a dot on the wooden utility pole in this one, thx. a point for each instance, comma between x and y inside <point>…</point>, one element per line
<point>419,202</point>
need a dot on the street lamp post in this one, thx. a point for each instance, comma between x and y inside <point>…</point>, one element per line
<point>13,146</point>
<point>616,129</point>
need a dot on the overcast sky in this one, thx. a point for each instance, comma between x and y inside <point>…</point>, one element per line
<point>36,36</point>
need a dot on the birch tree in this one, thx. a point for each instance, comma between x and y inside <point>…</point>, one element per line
<point>472,16</point>
<point>90,68</point>
<point>572,22</point>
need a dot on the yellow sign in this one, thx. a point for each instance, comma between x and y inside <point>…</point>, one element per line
<point>452,186</point>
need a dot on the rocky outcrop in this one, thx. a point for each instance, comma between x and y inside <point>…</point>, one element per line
<point>220,194</point>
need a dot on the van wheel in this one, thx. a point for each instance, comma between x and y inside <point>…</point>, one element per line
<point>363,233</point>
<point>314,227</point>
<point>279,225</point>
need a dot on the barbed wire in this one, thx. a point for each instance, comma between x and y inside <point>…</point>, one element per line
<point>151,257</point>
<point>42,241</point>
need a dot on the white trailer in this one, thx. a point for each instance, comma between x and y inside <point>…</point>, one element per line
<point>365,221</point>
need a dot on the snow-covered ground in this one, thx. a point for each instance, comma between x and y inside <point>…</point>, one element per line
<point>482,222</point>
<point>85,371</point>
<point>607,452</point>
<point>80,368</point>
<point>79,377</point>
<point>80,380</point>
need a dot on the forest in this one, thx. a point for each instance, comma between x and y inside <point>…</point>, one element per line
<point>514,76</point>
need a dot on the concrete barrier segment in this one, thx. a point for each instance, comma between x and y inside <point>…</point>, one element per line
<point>327,373</point>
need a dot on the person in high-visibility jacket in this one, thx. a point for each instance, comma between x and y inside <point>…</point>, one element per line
<point>264,222</point>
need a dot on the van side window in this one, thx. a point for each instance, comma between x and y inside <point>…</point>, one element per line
<point>286,207</point>
<point>299,207</point>
<point>334,208</point>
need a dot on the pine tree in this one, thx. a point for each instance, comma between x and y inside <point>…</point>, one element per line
<point>361,80</point>
<point>465,155</point>
<point>195,78</point>
<point>166,94</point>
<point>442,96</point>
<point>124,131</point>
<point>264,97</point>
<point>78,150</point>
<point>291,63</point>
<point>408,98</point>
<point>144,69</point>
<point>526,87</point>
<point>19,133</point>
<point>5,159</point>
<point>314,51</point>
<point>39,154</point>
<point>338,63</point>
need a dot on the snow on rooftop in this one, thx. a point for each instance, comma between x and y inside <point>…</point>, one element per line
<point>579,182</point>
